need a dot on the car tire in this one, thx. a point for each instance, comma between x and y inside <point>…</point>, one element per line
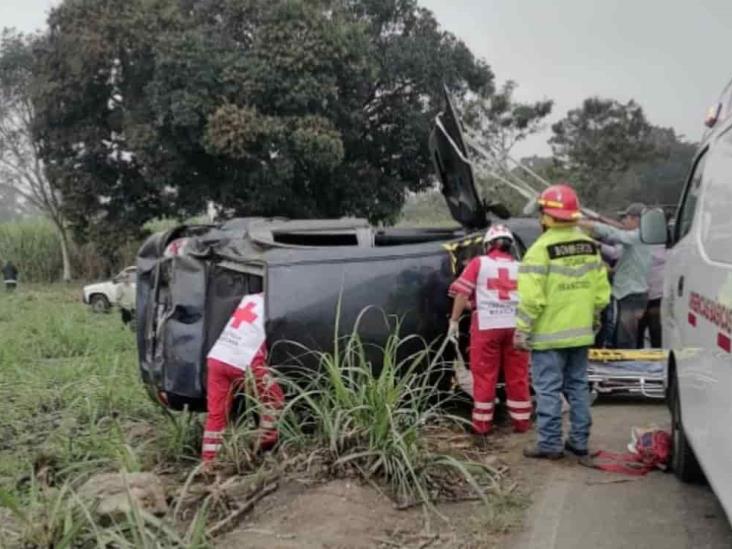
<point>683,461</point>
<point>99,304</point>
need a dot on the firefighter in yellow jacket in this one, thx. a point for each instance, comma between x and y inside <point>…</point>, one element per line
<point>562,287</point>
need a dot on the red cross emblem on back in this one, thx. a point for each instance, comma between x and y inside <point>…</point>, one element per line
<point>243,314</point>
<point>504,284</point>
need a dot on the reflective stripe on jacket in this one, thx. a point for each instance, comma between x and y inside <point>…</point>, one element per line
<point>562,285</point>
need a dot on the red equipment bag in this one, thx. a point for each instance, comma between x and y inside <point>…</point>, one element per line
<point>649,449</point>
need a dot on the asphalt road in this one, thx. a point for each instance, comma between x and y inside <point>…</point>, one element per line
<point>577,507</point>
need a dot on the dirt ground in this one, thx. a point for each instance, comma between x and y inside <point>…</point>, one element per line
<point>572,506</point>
<point>349,514</point>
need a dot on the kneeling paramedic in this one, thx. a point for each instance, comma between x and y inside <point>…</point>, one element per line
<point>240,349</point>
<point>489,282</point>
<point>562,288</point>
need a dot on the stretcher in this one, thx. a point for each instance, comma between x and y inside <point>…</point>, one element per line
<point>625,372</point>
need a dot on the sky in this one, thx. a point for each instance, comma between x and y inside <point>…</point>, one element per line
<point>668,55</point>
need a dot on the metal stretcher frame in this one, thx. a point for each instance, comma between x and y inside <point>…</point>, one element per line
<point>604,381</point>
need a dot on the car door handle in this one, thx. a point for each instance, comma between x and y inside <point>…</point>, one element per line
<point>680,287</point>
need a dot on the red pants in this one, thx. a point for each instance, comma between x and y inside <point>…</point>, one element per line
<point>491,351</point>
<point>222,380</point>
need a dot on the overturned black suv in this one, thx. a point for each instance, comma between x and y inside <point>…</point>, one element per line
<point>304,267</point>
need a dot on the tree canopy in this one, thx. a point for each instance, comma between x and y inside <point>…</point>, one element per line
<point>614,155</point>
<point>289,107</point>
<point>602,136</point>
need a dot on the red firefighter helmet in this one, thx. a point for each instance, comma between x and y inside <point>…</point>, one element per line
<point>560,202</point>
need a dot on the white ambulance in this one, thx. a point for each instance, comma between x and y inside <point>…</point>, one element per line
<point>697,313</point>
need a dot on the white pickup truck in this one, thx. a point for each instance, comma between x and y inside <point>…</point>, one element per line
<point>103,295</point>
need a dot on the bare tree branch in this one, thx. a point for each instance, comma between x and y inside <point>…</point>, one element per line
<point>22,172</point>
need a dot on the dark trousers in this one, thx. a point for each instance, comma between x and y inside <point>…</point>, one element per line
<point>10,286</point>
<point>651,321</point>
<point>605,338</point>
<point>631,309</point>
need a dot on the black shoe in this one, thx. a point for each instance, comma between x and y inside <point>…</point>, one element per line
<point>575,451</point>
<point>583,456</point>
<point>537,453</point>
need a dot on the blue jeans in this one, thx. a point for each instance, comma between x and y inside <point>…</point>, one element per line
<point>552,373</point>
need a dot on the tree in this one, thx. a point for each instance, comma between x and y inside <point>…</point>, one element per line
<point>499,123</point>
<point>661,179</point>
<point>597,142</point>
<point>299,108</point>
<point>602,136</point>
<point>22,171</point>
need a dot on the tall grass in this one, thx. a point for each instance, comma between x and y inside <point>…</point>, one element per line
<point>72,405</point>
<point>370,418</point>
<point>33,247</point>
<point>58,518</point>
<point>70,391</point>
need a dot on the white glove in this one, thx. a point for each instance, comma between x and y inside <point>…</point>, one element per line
<point>453,330</point>
<point>521,341</point>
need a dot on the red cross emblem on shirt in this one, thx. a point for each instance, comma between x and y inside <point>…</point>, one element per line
<point>243,314</point>
<point>503,284</point>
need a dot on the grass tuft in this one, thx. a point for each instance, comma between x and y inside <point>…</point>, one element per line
<point>370,418</point>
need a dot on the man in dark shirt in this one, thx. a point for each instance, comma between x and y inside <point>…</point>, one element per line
<point>10,274</point>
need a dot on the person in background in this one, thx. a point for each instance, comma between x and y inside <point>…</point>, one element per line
<point>651,319</point>
<point>10,275</point>
<point>630,280</point>
<point>490,282</point>
<point>126,299</point>
<point>563,288</point>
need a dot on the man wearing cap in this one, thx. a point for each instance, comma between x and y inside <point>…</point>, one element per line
<point>630,281</point>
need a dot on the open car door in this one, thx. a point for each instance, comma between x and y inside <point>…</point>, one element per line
<point>450,155</point>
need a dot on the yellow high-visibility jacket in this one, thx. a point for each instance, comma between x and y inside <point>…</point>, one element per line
<point>562,286</point>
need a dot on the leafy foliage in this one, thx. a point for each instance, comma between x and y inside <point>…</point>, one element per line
<point>298,108</point>
<point>601,137</point>
<point>501,121</point>
<point>615,156</point>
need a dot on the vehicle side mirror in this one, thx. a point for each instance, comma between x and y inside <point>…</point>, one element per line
<point>653,227</point>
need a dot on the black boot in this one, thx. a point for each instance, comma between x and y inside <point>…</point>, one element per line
<point>575,451</point>
<point>537,453</point>
<point>583,456</point>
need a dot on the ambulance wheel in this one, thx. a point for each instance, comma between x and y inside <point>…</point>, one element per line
<point>683,461</point>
